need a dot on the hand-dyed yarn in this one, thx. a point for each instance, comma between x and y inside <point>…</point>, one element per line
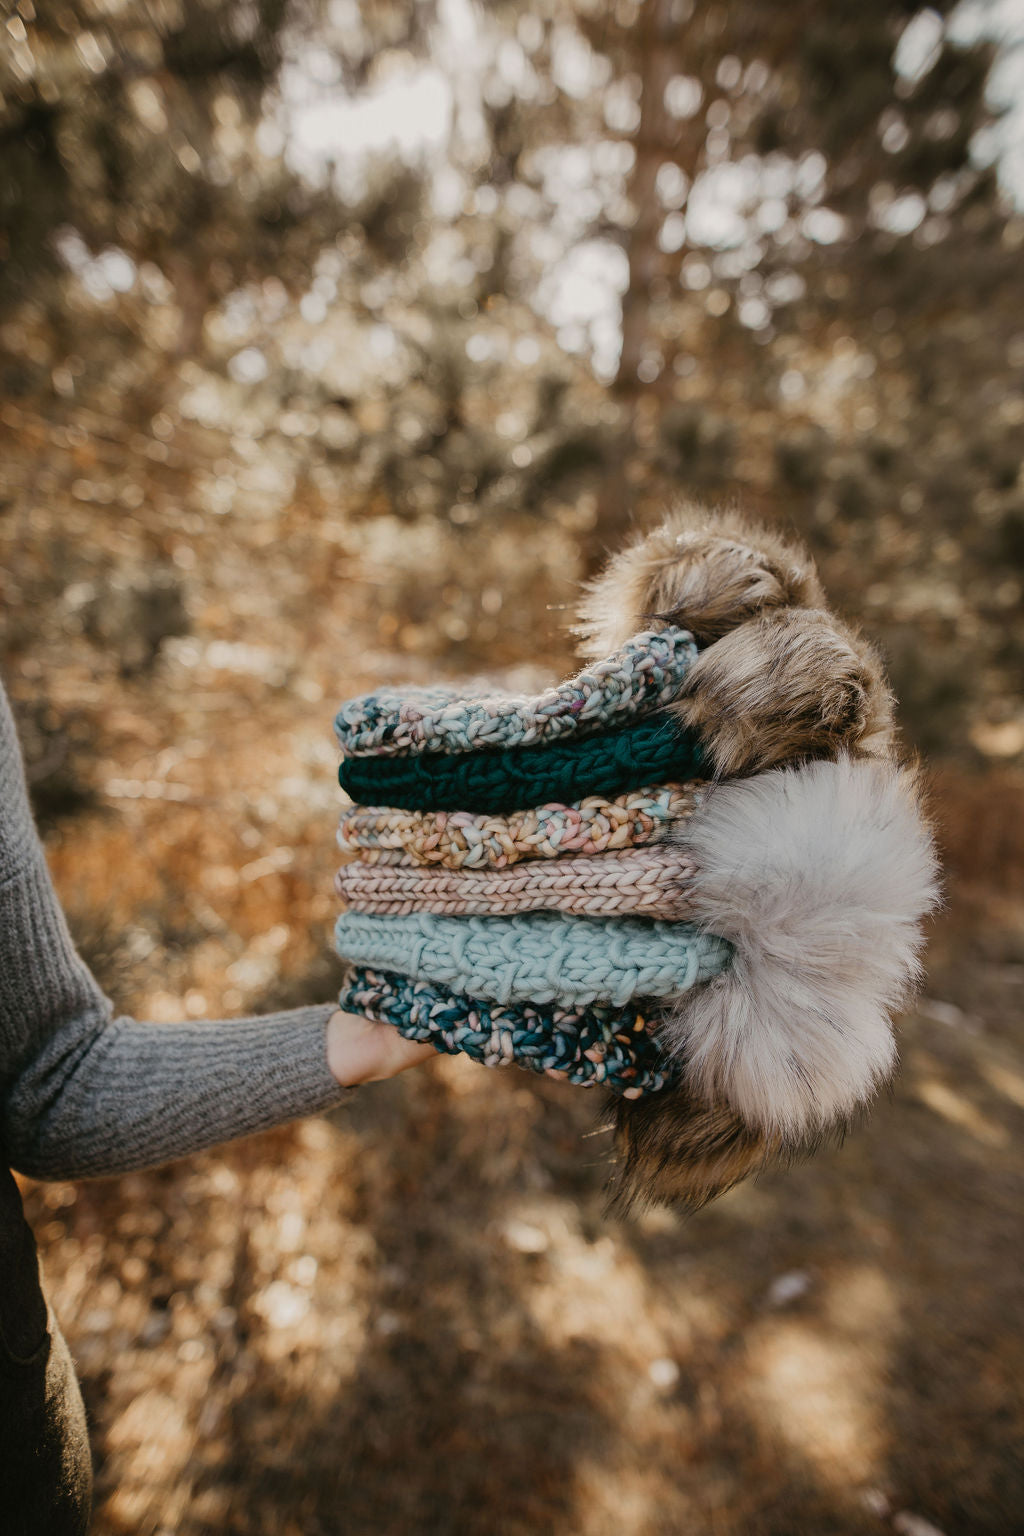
<point>539,957</point>
<point>515,778</point>
<point>585,1046</point>
<point>652,882</point>
<point>470,840</point>
<point>644,675</point>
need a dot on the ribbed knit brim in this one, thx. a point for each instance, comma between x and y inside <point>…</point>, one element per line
<point>516,778</point>
<point>652,882</point>
<point>474,840</point>
<point>645,675</point>
<point>585,1046</point>
<point>539,957</point>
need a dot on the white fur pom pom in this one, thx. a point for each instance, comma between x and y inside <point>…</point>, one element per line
<point>819,877</point>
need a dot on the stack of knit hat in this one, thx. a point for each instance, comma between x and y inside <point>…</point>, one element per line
<point>692,874</point>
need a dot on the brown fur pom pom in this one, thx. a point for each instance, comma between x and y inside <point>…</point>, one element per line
<point>778,678</point>
<point>677,1149</point>
<point>789,685</point>
<point>704,571</point>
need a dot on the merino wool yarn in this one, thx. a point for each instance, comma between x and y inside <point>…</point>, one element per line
<point>538,957</point>
<point>643,676</point>
<point>515,778</point>
<point>471,840</point>
<point>585,1046</point>
<point>653,882</point>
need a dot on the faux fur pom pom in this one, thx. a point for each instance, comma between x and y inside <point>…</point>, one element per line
<point>704,571</point>
<point>779,678</point>
<point>677,1149</point>
<point>819,876</point>
<point>788,685</point>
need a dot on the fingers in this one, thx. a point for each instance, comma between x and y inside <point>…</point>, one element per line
<point>360,1051</point>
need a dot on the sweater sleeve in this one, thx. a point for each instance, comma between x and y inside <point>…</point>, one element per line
<point>85,1093</point>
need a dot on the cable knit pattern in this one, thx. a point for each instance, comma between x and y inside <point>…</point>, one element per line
<point>515,778</point>
<point>644,675</point>
<point>585,1046</point>
<point>540,957</point>
<point>464,840</point>
<point>654,882</point>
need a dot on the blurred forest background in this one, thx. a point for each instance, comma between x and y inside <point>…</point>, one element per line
<point>338,343</point>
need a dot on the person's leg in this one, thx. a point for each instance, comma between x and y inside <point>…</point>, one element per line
<point>45,1465</point>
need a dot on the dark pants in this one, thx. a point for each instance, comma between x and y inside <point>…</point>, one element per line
<point>45,1466</point>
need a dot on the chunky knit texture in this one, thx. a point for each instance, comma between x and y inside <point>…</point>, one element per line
<point>653,882</point>
<point>585,1046</point>
<point>468,840</point>
<point>645,675</point>
<point>788,1033</point>
<point>83,1092</point>
<point>541,957</point>
<point>513,778</point>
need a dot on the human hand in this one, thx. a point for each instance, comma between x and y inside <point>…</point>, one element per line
<point>360,1051</point>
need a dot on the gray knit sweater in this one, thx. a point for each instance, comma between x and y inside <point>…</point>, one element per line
<point>83,1092</point>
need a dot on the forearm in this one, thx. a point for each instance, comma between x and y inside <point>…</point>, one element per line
<point>84,1093</point>
<point>105,1096</point>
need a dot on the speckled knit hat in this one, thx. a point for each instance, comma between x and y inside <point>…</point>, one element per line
<point>472,840</point>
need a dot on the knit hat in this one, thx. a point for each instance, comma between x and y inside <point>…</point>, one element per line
<point>805,884</point>
<point>643,676</point>
<point>592,1046</point>
<point>653,882</point>
<point>471,840</point>
<point>516,778</point>
<point>542,957</point>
